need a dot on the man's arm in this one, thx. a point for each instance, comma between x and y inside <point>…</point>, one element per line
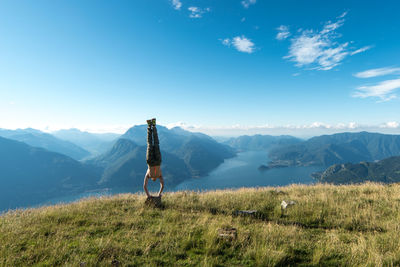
<point>146,179</point>
<point>161,185</point>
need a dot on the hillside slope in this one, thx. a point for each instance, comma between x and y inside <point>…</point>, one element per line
<point>354,225</point>
<point>385,171</point>
<point>29,175</point>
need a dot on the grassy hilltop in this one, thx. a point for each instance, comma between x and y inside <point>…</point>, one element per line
<point>329,225</point>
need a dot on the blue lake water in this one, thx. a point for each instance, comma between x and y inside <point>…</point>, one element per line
<point>242,171</point>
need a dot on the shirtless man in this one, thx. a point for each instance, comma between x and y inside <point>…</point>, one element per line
<point>153,158</point>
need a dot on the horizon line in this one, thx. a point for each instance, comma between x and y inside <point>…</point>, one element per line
<point>299,130</point>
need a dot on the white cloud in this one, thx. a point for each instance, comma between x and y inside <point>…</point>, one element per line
<point>390,124</point>
<point>283,32</point>
<point>343,15</point>
<point>177,4</point>
<point>362,49</point>
<point>383,90</point>
<point>197,12</point>
<point>319,49</point>
<point>247,3</point>
<point>226,41</point>
<point>241,43</point>
<point>377,72</point>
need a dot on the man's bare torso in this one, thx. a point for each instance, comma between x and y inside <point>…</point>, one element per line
<point>154,172</point>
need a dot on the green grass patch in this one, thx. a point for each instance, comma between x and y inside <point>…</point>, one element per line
<point>329,225</point>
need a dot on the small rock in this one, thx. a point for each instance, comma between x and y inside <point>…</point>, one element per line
<point>280,192</point>
<point>154,201</point>
<point>245,212</point>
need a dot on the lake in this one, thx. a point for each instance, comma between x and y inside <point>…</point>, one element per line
<point>242,171</point>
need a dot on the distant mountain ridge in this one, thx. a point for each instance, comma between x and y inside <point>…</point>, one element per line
<point>386,171</point>
<point>337,148</point>
<point>30,175</point>
<point>47,141</point>
<point>95,143</point>
<point>260,142</point>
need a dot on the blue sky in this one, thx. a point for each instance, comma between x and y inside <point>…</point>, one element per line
<point>223,67</point>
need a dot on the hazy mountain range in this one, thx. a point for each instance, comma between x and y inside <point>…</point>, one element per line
<point>326,150</point>
<point>95,143</point>
<point>261,142</point>
<point>47,141</point>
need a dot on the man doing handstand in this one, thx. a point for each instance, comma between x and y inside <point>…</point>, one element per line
<point>153,158</point>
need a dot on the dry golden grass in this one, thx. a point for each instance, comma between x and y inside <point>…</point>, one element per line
<point>352,225</point>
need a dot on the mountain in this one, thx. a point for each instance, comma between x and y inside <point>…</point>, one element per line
<point>47,141</point>
<point>386,171</point>
<point>125,166</point>
<point>30,175</point>
<point>199,151</point>
<point>184,155</point>
<point>260,142</point>
<point>95,143</point>
<point>337,148</point>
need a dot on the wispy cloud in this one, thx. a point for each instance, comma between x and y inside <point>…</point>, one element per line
<point>197,12</point>
<point>362,49</point>
<point>319,49</point>
<point>343,15</point>
<point>226,41</point>
<point>177,4</point>
<point>241,43</point>
<point>377,72</point>
<point>247,3</point>
<point>383,90</point>
<point>283,32</point>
